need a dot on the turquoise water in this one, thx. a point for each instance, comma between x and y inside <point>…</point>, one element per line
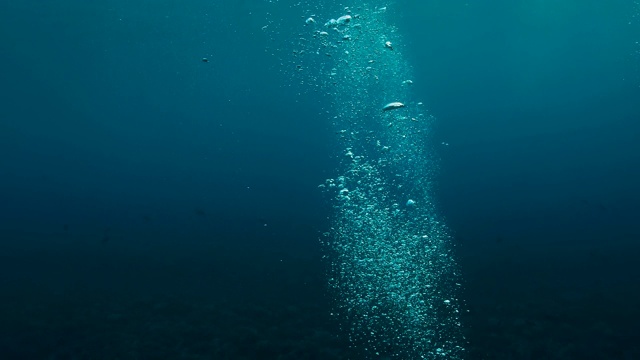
<point>226,180</point>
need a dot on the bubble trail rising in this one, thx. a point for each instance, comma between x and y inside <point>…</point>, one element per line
<point>393,274</point>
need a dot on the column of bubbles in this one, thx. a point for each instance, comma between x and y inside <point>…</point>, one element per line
<point>392,272</point>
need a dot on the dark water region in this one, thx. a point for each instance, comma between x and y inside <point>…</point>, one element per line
<point>155,206</point>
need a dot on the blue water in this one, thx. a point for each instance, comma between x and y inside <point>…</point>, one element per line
<point>157,206</point>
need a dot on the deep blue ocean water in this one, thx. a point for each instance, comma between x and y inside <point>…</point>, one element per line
<point>157,206</point>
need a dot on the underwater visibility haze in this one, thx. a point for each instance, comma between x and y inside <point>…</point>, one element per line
<point>274,179</point>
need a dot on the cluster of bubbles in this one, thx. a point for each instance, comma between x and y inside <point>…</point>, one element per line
<point>392,270</point>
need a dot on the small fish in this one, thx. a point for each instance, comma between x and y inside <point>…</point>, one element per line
<point>393,106</point>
